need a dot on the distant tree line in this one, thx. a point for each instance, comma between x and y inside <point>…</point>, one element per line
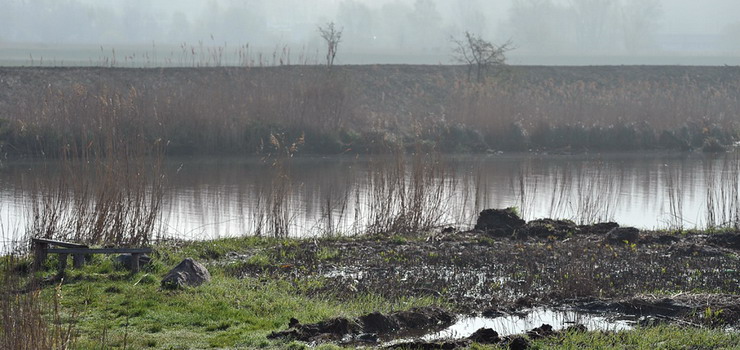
<point>541,26</point>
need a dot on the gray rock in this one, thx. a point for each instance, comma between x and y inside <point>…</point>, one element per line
<point>622,234</point>
<point>187,273</point>
<point>124,260</point>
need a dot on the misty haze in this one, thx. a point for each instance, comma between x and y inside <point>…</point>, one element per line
<point>73,32</point>
<point>385,174</point>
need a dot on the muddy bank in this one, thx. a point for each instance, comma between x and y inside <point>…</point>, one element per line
<point>502,270</point>
<point>479,270</point>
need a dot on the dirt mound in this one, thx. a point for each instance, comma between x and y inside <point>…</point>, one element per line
<point>548,228</point>
<point>623,234</point>
<point>499,222</point>
<point>367,328</point>
<point>725,240</point>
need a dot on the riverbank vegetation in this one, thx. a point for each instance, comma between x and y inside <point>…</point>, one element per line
<point>259,284</point>
<point>371,109</point>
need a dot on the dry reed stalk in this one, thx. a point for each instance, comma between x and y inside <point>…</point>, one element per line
<point>111,187</point>
<point>674,186</point>
<point>28,321</point>
<point>597,195</point>
<point>723,193</point>
<point>407,200</point>
<point>273,208</point>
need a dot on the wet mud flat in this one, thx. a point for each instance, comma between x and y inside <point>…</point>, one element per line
<point>595,277</point>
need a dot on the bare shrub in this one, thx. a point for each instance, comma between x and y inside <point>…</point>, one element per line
<point>480,54</point>
<point>333,37</point>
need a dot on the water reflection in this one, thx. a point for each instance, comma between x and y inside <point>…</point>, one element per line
<point>520,324</point>
<point>217,197</point>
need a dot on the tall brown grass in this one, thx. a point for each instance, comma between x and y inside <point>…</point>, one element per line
<point>363,109</point>
<point>408,196</point>
<point>109,183</point>
<point>27,320</point>
<point>723,192</point>
<point>273,211</point>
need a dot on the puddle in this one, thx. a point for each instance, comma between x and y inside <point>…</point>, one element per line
<point>521,323</point>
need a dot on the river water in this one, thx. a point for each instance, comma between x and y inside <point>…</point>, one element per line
<point>208,197</point>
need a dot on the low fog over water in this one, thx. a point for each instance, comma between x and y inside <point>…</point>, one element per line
<point>378,31</point>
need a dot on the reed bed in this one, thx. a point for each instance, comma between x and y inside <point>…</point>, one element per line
<point>366,109</point>
<point>404,200</point>
<point>110,184</point>
<point>623,115</point>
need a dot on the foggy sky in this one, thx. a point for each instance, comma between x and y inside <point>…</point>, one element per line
<point>383,31</point>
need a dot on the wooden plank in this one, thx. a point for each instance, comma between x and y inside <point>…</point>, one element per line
<point>59,243</point>
<point>135,262</point>
<point>40,252</point>
<point>78,260</point>
<point>99,250</point>
<point>62,264</point>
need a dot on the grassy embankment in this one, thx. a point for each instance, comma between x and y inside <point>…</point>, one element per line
<point>370,109</point>
<point>108,307</point>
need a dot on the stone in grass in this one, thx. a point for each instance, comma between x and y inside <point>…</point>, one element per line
<point>623,234</point>
<point>188,273</point>
<point>124,260</point>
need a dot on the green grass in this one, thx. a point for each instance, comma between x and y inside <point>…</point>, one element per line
<point>108,305</point>
<point>113,309</point>
<point>661,337</point>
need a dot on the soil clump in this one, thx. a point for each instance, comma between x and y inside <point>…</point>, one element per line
<point>368,328</point>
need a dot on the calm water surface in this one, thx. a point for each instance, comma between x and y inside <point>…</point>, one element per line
<point>218,197</point>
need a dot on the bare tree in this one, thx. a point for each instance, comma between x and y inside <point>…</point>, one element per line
<point>479,54</point>
<point>333,37</point>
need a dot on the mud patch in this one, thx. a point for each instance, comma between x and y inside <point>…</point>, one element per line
<point>370,328</point>
<point>718,310</point>
<point>474,271</point>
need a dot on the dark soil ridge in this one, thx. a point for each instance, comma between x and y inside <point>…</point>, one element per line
<point>377,328</point>
<point>704,309</point>
<point>368,328</point>
<point>489,336</point>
